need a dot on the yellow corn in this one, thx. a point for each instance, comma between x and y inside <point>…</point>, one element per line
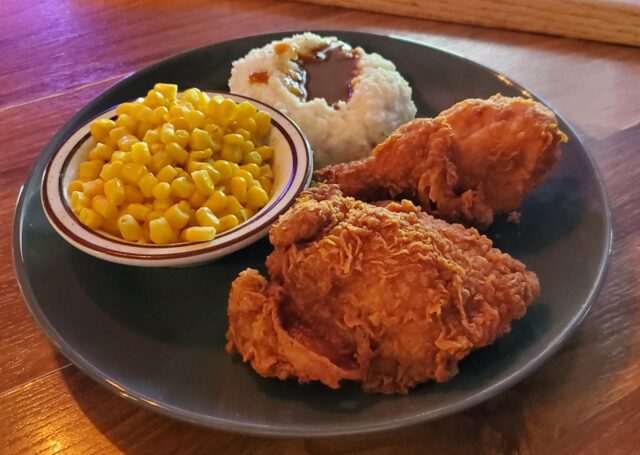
<point>167,174</point>
<point>200,155</point>
<point>233,205</point>
<point>252,169</point>
<point>146,184</point>
<point>90,218</point>
<point>182,137</point>
<point>76,185</point>
<point>133,172</point>
<point>266,184</point>
<point>228,222</point>
<point>257,197</point>
<point>162,190</point>
<point>182,188</point>
<point>154,214</point>
<point>217,202</point>
<point>125,108</point>
<point>263,123</point>
<point>114,191</point>
<point>224,168</point>
<point>127,122</point>
<point>176,216</point>
<point>245,174</point>
<point>159,159</point>
<point>155,99</point>
<point>239,188</point>
<point>151,137</point>
<point>248,124</point>
<point>129,228</point>
<point>138,211</point>
<point>100,128</point>
<point>245,214</point>
<point>140,153</point>
<point>169,91</point>
<point>199,234</point>
<point>195,119</point>
<point>197,199</point>
<point>199,139</point>
<point>205,217</point>
<point>133,194</point>
<point>90,169</point>
<point>176,152</point>
<point>157,115</point>
<point>93,188</point>
<point>78,201</point>
<point>160,231</point>
<point>111,226</point>
<point>231,153</point>
<point>203,182</point>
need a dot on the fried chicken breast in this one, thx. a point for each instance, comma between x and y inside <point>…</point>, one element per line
<point>382,294</point>
<point>478,158</point>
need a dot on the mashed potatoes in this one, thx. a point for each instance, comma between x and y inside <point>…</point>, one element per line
<point>290,75</point>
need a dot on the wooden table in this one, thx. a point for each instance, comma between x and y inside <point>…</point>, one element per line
<point>56,55</point>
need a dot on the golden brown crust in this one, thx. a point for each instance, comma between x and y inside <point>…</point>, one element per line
<point>475,159</point>
<point>386,295</point>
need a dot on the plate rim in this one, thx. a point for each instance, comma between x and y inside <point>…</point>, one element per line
<point>243,427</point>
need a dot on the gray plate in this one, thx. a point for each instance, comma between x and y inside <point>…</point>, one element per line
<point>157,335</point>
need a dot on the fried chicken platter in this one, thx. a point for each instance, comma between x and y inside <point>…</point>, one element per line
<point>380,273</point>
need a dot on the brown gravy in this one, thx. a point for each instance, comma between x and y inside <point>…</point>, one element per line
<point>328,73</point>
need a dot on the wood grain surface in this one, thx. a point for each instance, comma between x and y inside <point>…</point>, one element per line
<point>598,20</point>
<point>56,55</point>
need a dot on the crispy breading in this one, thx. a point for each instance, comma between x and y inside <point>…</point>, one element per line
<point>382,294</point>
<point>478,158</point>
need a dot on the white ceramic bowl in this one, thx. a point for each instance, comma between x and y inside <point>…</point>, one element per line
<point>292,173</point>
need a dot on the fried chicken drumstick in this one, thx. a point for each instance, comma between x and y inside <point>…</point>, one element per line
<point>478,158</point>
<point>382,294</point>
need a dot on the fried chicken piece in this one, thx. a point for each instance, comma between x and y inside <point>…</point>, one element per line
<point>385,295</point>
<point>478,158</point>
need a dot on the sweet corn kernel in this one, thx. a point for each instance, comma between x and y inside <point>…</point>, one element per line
<point>160,231</point>
<point>90,169</point>
<point>197,199</point>
<point>245,174</point>
<point>266,184</point>
<point>140,153</point>
<point>105,208</point>
<point>111,226</point>
<point>239,188</point>
<point>133,194</point>
<point>233,139</point>
<point>162,191</point>
<point>199,234</point>
<point>246,110</point>
<point>167,174</point>
<point>159,160</point>
<point>266,152</point>
<point>116,133</point>
<point>245,214</point>
<point>154,214</point>
<point>182,137</point>
<point>252,169</point>
<point>146,184</point>
<point>203,182</point>
<point>231,153</point>
<point>263,123</point>
<point>126,142</point>
<point>125,108</point>
<point>217,202</point>
<point>228,222</point>
<point>205,217</point>
<point>79,200</point>
<point>157,116</point>
<point>138,211</point>
<point>233,205</point>
<point>182,188</point>
<point>162,204</point>
<point>151,137</point>
<point>195,119</point>
<point>199,139</point>
<point>167,134</point>
<point>90,218</point>
<point>100,128</point>
<point>143,127</point>
<point>114,191</point>
<point>224,168</point>
<point>246,135</point>
<point>133,172</point>
<point>93,187</point>
<point>265,171</point>
<point>176,152</point>
<point>176,216</point>
<point>129,228</point>
<point>247,147</point>
<point>257,197</point>
<point>169,91</point>
<point>127,122</point>
<point>155,99</point>
<point>141,113</point>
<point>248,124</point>
<point>200,155</point>
<point>76,185</point>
